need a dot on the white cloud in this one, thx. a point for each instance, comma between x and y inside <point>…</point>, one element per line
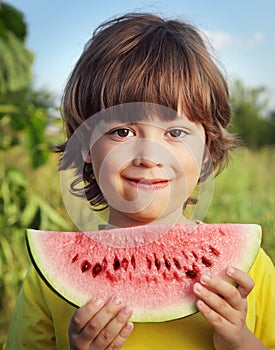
<point>255,39</point>
<point>220,39</point>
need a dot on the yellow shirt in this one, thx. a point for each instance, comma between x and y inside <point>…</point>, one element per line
<point>41,318</point>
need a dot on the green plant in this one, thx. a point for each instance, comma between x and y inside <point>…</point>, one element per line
<point>245,193</point>
<point>20,207</point>
<point>252,119</point>
<point>16,60</point>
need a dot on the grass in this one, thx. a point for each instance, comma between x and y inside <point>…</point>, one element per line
<point>243,193</point>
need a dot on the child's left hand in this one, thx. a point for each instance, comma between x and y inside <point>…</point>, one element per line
<point>225,307</point>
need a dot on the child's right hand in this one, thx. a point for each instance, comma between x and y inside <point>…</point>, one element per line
<point>99,326</point>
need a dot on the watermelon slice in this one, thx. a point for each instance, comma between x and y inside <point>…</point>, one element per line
<point>154,277</point>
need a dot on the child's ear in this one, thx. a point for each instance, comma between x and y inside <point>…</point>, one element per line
<point>86,157</point>
<point>206,156</point>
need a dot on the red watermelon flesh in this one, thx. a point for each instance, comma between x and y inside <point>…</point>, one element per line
<point>154,277</point>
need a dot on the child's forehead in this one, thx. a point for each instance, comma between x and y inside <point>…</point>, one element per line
<point>131,113</point>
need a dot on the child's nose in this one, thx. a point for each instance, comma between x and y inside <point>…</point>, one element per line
<point>147,154</point>
<point>145,162</point>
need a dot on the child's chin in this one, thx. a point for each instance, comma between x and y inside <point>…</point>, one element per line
<point>147,217</point>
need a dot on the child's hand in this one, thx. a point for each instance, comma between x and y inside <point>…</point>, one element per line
<point>225,307</point>
<point>99,326</point>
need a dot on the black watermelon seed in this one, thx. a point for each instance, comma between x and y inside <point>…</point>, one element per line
<point>177,264</point>
<point>149,262</point>
<point>133,261</point>
<point>97,269</point>
<point>85,266</point>
<point>191,273</point>
<point>167,264</point>
<point>116,263</point>
<point>206,261</point>
<point>157,262</point>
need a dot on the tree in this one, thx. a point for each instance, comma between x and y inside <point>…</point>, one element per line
<point>250,119</point>
<point>24,111</point>
<point>16,60</point>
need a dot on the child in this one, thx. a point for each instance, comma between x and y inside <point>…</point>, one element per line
<point>143,162</point>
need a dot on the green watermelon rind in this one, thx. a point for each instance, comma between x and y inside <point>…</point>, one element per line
<point>52,285</point>
<point>140,315</point>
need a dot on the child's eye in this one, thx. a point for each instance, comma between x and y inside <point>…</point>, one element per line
<point>176,133</point>
<point>122,133</point>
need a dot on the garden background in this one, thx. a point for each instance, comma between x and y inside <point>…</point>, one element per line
<point>29,181</point>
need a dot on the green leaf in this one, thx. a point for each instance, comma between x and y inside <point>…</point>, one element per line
<point>36,138</point>
<point>49,215</point>
<point>16,61</point>
<point>6,249</point>
<point>8,109</point>
<point>12,20</point>
<point>30,211</point>
<point>16,177</point>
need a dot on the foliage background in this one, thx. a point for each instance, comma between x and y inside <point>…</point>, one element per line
<point>29,179</point>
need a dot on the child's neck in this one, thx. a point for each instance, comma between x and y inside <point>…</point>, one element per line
<point>173,218</point>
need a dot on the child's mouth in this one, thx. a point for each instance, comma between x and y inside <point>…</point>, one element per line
<point>148,184</point>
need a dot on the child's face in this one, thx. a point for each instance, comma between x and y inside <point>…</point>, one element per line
<point>147,170</point>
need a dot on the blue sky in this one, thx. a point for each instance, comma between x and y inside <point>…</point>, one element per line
<point>241,31</point>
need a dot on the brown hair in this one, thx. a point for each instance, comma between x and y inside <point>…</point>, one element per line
<point>144,58</point>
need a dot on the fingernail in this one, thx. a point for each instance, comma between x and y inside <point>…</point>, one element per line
<point>98,301</point>
<point>198,287</point>
<point>116,300</point>
<point>129,325</point>
<point>205,278</point>
<point>230,271</point>
<point>127,311</point>
<point>201,304</point>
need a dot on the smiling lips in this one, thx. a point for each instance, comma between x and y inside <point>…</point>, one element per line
<point>148,184</point>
